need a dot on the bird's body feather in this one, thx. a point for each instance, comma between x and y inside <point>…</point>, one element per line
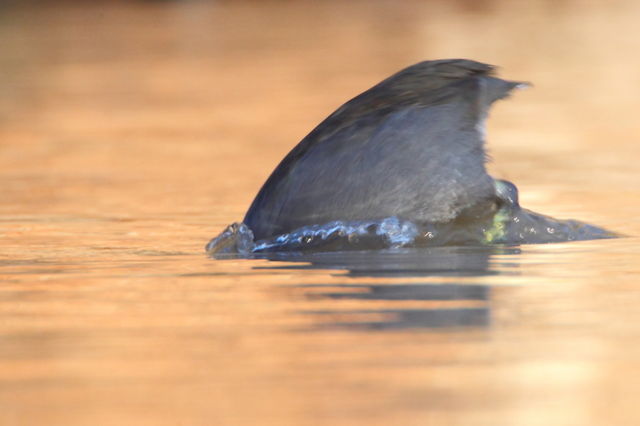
<point>410,147</point>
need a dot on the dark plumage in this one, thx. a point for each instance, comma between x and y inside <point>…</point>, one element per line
<point>412,146</point>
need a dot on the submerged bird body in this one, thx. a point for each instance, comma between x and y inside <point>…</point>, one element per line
<point>410,147</point>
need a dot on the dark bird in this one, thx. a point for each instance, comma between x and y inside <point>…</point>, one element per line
<point>411,147</point>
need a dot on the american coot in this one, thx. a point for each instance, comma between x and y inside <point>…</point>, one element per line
<point>401,164</point>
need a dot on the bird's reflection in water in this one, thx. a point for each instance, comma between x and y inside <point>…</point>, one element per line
<point>389,319</point>
<point>394,319</point>
<point>459,304</point>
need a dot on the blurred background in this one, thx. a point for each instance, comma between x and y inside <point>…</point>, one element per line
<point>131,132</point>
<point>195,102</point>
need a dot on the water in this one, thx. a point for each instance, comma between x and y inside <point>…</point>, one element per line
<point>132,133</point>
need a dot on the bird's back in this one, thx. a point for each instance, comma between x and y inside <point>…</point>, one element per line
<point>410,147</point>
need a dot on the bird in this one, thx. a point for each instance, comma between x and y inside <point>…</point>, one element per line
<point>411,147</point>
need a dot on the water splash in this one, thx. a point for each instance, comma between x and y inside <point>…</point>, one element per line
<point>505,224</point>
<point>508,226</point>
